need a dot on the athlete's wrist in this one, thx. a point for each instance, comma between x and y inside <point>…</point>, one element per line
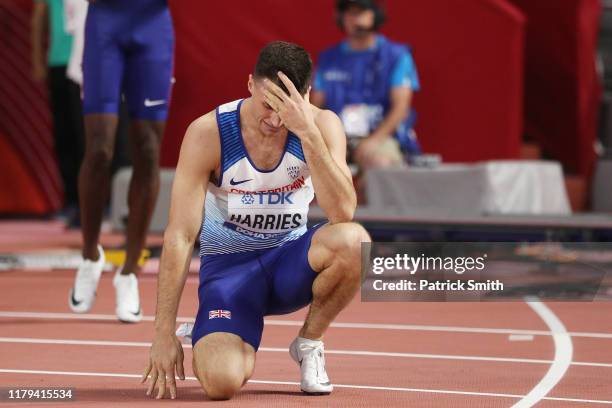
<point>309,134</point>
<point>164,327</point>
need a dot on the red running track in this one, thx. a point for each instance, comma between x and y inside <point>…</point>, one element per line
<point>378,354</point>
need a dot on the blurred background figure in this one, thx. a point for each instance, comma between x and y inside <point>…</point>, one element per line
<point>128,52</point>
<point>75,14</point>
<point>369,81</point>
<point>49,65</point>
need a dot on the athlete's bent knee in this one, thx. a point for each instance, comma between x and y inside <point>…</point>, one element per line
<point>221,384</point>
<point>352,236</point>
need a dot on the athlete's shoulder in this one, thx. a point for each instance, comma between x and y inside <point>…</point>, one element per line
<point>328,123</point>
<point>324,115</point>
<point>205,126</point>
<point>202,138</point>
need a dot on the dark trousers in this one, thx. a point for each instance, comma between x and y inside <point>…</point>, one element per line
<point>68,130</point>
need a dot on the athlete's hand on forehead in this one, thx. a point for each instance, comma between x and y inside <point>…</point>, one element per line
<point>294,109</point>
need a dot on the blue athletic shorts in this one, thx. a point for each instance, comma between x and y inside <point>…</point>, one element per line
<point>129,47</point>
<point>237,290</point>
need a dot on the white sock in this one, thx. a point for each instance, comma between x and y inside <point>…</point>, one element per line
<point>309,342</point>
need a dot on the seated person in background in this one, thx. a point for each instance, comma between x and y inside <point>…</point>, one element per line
<point>368,81</point>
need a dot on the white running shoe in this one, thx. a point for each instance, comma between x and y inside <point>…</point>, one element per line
<point>185,331</point>
<point>83,294</point>
<point>309,355</point>
<point>128,301</point>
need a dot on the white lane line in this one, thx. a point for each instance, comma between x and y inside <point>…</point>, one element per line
<point>362,387</point>
<point>28,340</point>
<point>520,337</point>
<point>561,361</point>
<point>275,322</point>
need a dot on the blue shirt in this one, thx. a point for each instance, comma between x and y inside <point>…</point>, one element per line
<point>348,77</point>
<point>403,74</point>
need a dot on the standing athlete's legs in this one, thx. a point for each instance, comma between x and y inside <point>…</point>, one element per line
<point>145,143</point>
<point>94,177</point>
<point>103,65</point>
<point>147,89</point>
<point>102,77</point>
<point>148,74</point>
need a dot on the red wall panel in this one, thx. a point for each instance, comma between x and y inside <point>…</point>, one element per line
<point>29,173</point>
<point>469,55</point>
<point>562,88</point>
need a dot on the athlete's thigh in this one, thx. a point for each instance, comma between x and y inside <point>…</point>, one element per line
<point>103,63</point>
<point>333,240</point>
<point>149,70</point>
<point>233,296</point>
<point>292,275</point>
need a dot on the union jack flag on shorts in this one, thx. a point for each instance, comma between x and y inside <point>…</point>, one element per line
<point>218,314</point>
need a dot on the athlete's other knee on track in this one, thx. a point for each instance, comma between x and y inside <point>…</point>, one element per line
<point>222,383</point>
<point>220,363</point>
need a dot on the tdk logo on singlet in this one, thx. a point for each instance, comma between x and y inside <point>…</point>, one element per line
<point>267,198</point>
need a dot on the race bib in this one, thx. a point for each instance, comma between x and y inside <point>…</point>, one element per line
<point>267,213</point>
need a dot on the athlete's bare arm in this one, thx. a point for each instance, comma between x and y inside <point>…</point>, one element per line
<point>400,104</point>
<point>334,178</point>
<point>39,28</point>
<point>324,144</point>
<point>199,157</point>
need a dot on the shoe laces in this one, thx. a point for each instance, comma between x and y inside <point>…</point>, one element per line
<point>127,290</point>
<point>86,280</point>
<point>313,361</point>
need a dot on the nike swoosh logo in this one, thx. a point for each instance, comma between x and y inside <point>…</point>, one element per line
<point>235,183</point>
<point>137,313</point>
<point>148,102</point>
<point>73,299</point>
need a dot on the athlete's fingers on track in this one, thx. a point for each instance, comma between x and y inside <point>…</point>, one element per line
<point>180,369</point>
<point>171,383</point>
<point>153,381</point>
<point>161,384</point>
<point>145,375</point>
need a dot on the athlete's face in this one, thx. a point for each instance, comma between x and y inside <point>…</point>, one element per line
<point>269,122</point>
<point>357,21</point>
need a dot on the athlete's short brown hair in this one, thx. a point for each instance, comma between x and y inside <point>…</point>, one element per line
<point>293,60</point>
